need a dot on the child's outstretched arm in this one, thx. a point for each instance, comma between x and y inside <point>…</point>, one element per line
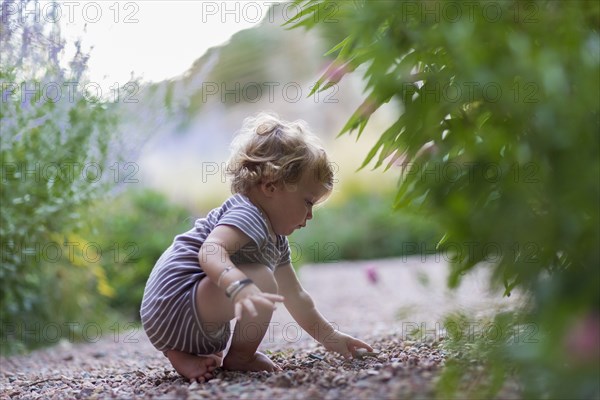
<point>302,308</point>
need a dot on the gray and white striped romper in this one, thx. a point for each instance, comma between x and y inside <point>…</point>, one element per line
<point>168,310</point>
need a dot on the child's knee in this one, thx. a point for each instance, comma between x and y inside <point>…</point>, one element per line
<point>270,286</point>
<point>262,277</point>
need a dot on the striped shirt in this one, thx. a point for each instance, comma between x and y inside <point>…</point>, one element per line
<point>168,310</point>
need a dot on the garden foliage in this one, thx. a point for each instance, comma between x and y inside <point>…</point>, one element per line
<point>496,137</point>
<point>136,227</point>
<point>54,146</point>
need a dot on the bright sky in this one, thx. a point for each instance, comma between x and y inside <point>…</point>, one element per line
<point>156,39</point>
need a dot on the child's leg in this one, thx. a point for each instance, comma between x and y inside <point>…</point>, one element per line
<point>215,309</point>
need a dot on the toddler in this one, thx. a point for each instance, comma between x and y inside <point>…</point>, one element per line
<point>235,262</point>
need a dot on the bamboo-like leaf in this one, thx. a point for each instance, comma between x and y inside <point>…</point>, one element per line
<point>509,286</point>
<point>393,160</point>
<point>385,137</point>
<point>308,9</point>
<point>442,241</point>
<point>334,75</point>
<point>362,115</point>
<point>340,46</point>
<point>346,67</point>
<point>352,122</point>
<point>388,147</point>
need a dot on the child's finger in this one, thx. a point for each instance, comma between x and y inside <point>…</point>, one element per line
<point>265,302</point>
<point>360,344</point>
<point>274,297</point>
<point>277,367</point>
<point>250,307</point>
<point>237,311</point>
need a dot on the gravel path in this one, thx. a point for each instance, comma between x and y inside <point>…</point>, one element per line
<point>409,293</point>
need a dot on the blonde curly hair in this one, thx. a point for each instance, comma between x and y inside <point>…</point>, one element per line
<point>270,149</point>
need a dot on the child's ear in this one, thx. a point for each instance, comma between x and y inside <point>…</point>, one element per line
<point>268,188</point>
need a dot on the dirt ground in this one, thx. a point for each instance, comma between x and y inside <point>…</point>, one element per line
<point>381,302</point>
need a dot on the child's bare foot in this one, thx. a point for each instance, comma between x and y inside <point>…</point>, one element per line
<point>257,362</point>
<point>193,367</point>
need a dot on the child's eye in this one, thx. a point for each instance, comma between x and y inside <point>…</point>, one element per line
<point>309,203</point>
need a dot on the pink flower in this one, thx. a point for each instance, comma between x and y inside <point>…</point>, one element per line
<point>372,275</point>
<point>582,341</point>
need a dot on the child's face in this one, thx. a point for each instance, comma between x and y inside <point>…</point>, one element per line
<point>291,207</point>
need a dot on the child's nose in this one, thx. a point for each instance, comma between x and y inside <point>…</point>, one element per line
<point>309,215</point>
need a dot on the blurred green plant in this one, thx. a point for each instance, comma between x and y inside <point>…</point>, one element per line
<point>53,148</point>
<point>378,235</point>
<point>135,228</point>
<point>473,347</point>
<point>497,138</point>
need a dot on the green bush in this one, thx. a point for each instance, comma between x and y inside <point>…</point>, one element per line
<point>497,132</point>
<point>361,228</point>
<point>54,146</point>
<point>136,227</point>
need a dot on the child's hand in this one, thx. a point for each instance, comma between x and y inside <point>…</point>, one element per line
<point>344,344</point>
<point>250,297</point>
